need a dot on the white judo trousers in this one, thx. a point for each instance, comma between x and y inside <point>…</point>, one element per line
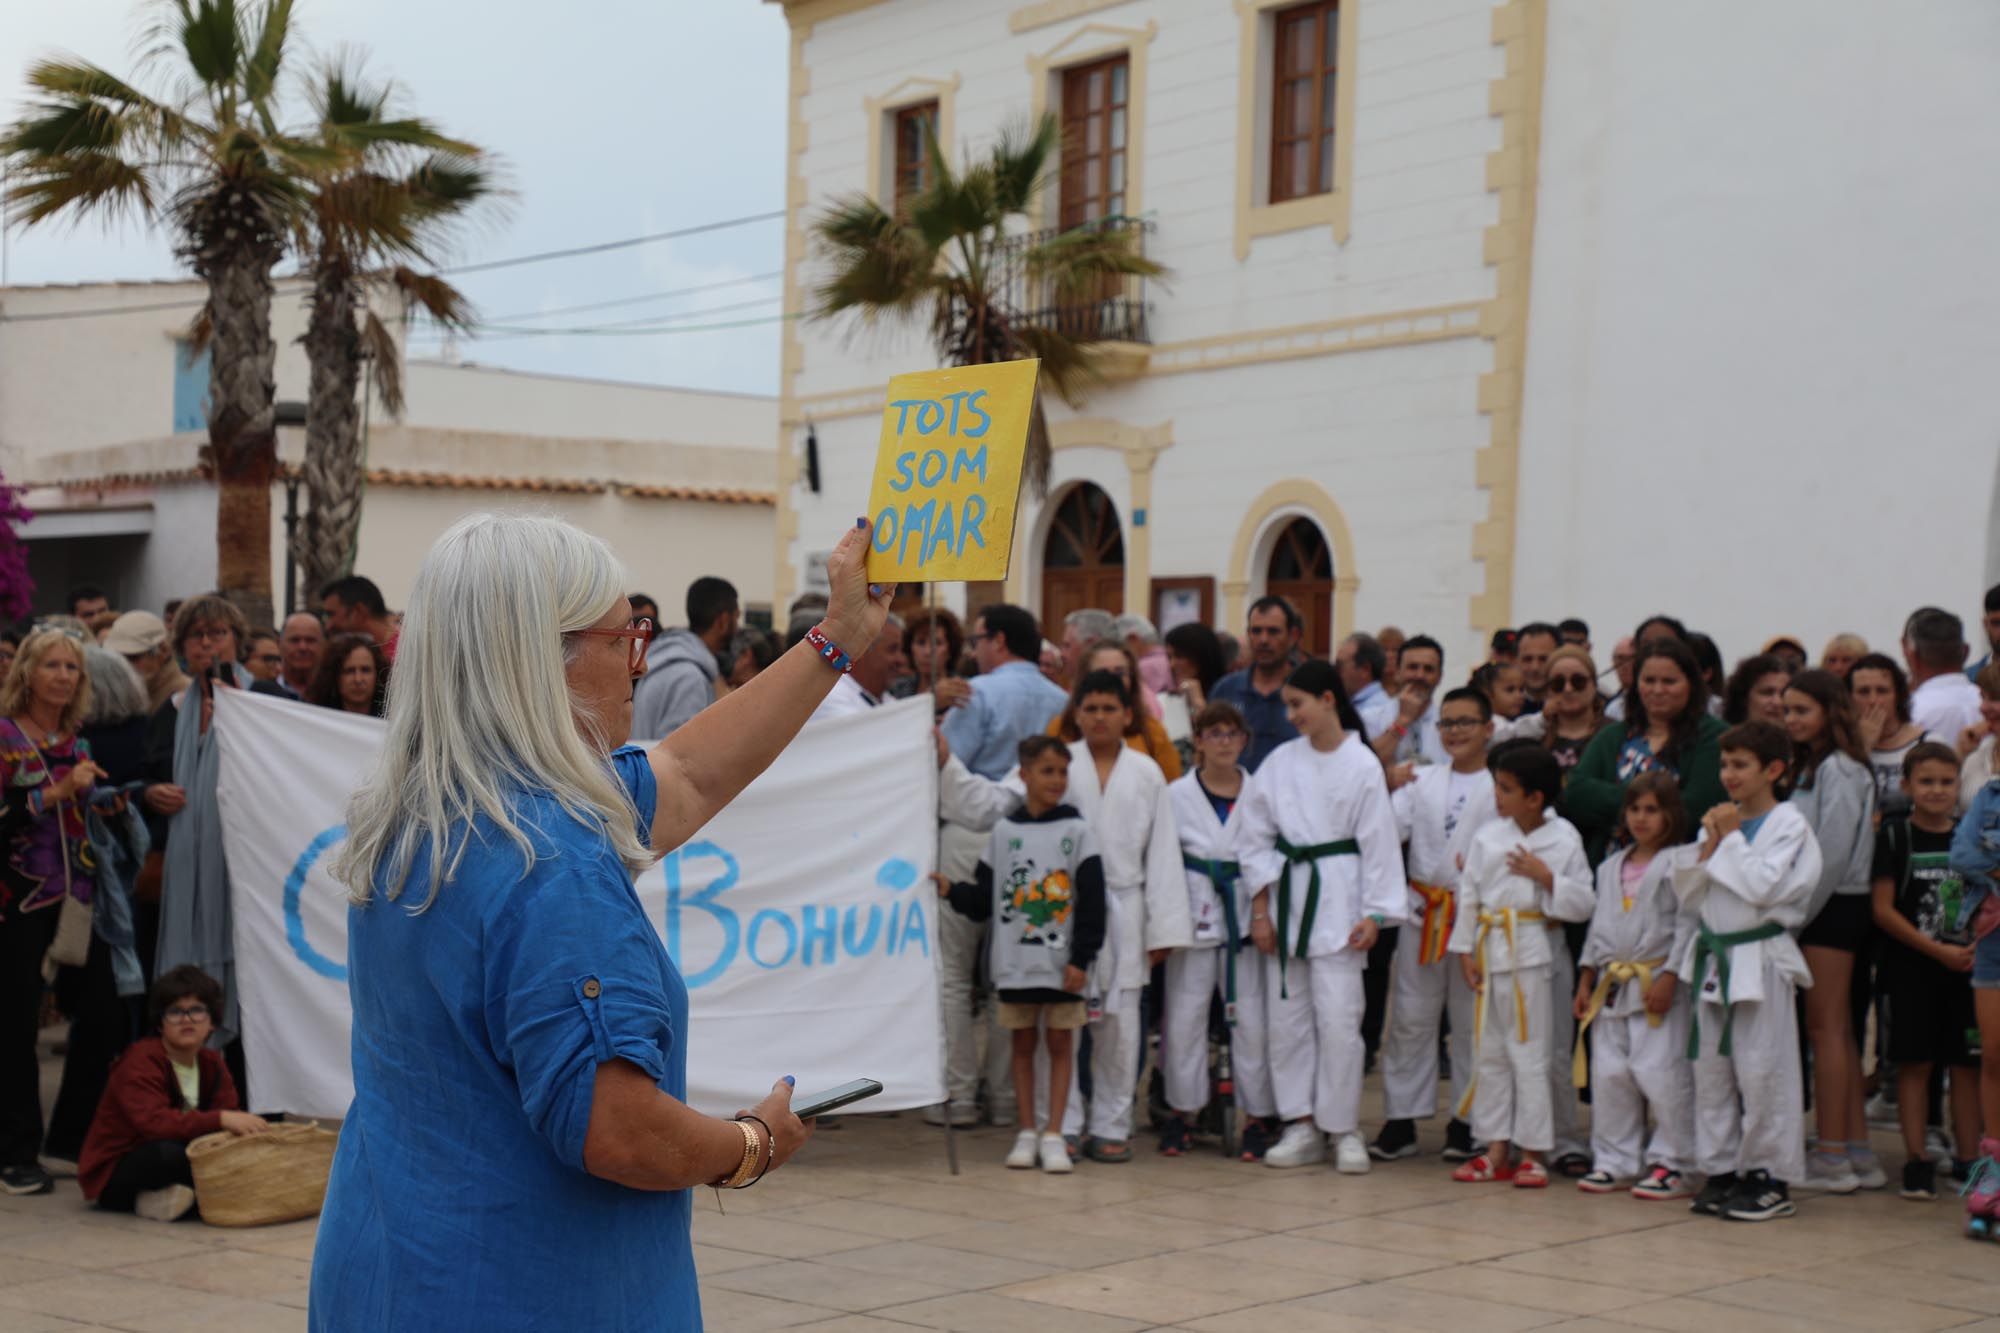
<point>1511,1101</point>
<point>1634,1066</point>
<point>1315,1049</point>
<point>1420,994</point>
<point>1749,1106</point>
<point>1193,975</point>
<point>1565,1130</point>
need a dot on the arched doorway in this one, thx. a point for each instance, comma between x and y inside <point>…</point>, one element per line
<point>1083,556</point>
<point>1301,572</point>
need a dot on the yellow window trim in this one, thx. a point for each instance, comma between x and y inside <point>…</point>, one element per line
<point>1295,497</point>
<point>1096,41</point>
<point>1029,17</point>
<point>910,92</point>
<point>1255,72</point>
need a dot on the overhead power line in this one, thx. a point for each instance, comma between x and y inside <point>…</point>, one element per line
<point>542,257</point>
<point>496,332</point>
<point>640,299</point>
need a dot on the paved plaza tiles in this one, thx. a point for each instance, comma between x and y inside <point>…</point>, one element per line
<point>870,1231</point>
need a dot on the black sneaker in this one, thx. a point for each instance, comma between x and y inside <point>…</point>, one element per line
<point>1257,1139</point>
<point>1920,1180</point>
<point>1459,1145</point>
<point>1173,1136</point>
<point>1759,1199</point>
<point>29,1179</point>
<point>1397,1139</point>
<point>1714,1194</point>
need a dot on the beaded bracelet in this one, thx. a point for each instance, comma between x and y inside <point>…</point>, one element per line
<point>832,652</point>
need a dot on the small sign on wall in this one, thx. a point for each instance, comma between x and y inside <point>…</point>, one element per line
<point>948,473</point>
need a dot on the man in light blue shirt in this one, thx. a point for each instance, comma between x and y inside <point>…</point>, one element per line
<point>1011,699</point>
<point>1362,664</point>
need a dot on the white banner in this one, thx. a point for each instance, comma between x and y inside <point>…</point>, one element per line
<point>802,916</point>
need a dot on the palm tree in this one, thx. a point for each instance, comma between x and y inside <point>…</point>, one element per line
<point>946,258</point>
<point>211,159</point>
<point>369,221</point>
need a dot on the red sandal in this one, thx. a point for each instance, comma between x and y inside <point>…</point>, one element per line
<point>1531,1176</point>
<point>1480,1171</point>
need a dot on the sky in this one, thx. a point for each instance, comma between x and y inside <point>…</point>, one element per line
<point>611,118</point>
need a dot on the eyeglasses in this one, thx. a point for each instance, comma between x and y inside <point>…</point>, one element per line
<point>1221,735</point>
<point>186,1013</point>
<point>977,637</point>
<point>210,632</point>
<point>640,632</point>
<point>1459,723</point>
<point>1564,684</point>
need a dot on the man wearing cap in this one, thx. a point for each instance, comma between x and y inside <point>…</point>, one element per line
<point>141,638</point>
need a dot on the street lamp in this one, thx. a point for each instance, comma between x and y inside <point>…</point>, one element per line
<point>290,414</point>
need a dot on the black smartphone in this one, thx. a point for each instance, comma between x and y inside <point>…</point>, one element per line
<point>819,1103</point>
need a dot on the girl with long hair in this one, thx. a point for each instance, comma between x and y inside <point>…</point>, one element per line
<point>1323,861</point>
<point>1835,791</point>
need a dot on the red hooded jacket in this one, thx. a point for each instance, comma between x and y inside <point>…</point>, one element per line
<point>142,1104</point>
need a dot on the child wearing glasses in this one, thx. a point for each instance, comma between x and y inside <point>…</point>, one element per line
<point>1205,803</point>
<point>165,1091</point>
<point>1437,813</point>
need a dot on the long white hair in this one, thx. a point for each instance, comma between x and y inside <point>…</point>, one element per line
<point>479,710</point>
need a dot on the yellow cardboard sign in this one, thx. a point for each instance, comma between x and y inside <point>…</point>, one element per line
<point>948,473</point>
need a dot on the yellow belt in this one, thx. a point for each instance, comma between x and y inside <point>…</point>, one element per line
<point>1505,918</point>
<point>1440,906</point>
<point>1614,974</point>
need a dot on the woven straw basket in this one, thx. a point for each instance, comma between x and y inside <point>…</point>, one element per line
<point>254,1180</point>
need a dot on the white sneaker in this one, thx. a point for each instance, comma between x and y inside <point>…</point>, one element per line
<point>1829,1175</point>
<point>1055,1154</point>
<point>1880,1111</point>
<point>1302,1145</point>
<point>1868,1171</point>
<point>1350,1157</point>
<point>164,1205</point>
<point>1022,1156</point>
<point>964,1115</point>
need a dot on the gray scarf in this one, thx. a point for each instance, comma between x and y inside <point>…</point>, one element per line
<point>195,920</point>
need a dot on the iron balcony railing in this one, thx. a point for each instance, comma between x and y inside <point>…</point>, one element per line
<point>1116,313</point>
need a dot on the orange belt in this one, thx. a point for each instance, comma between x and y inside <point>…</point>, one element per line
<point>1440,908</point>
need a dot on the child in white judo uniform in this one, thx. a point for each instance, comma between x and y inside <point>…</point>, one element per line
<point>1745,899</point>
<point>1319,851</point>
<point>1629,1006</point>
<point>1205,803</point>
<point>1123,795</point>
<point>1437,812</point>
<point>1524,869</point>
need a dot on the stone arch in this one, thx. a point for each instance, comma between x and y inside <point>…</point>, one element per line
<point>1263,522</point>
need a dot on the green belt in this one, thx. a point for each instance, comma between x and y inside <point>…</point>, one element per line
<point>1303,856</point>
<point>1223,875</point>
<point>1712,944</point>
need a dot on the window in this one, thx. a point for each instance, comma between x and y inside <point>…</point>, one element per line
<point>914,127</point>
<point>190,388</point>
<point>1094,119</point>
<point>1306,55</point>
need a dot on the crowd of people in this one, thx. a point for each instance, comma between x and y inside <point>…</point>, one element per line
<point>1698,899</point>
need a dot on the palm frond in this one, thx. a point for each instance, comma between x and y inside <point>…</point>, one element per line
<point>81,183</point>
<point>444,303</point>
<point>267,53</point>
<point>55,128</point>
<point>80,78</point>
<point>954,205</point>
<point>881,266</point>
<point>379,345</point>
<point>444,183</point>
<point>1068,367</point>
<point>340,96</point>
<point>1020,161</point>
<point>211,38</point>
<point>1075,263</point>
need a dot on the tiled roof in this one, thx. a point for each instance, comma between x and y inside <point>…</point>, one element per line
<point>456,481</point>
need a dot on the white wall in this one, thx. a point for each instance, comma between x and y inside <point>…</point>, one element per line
<point>1763,387</point>
<point>484,398</point>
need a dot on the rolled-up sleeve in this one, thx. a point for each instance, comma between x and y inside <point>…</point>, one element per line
<point>634,772</point>
<point>574,981</point>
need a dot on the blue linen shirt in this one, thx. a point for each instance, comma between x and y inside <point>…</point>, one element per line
<point>1009,704</point>
<point>459,1198</point>
<point>1264,714</point>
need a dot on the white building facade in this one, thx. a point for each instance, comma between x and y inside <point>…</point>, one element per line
<point>102,415</point>
<point>1465,299</point>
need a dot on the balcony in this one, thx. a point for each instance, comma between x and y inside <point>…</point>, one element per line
<point>1112,320</point>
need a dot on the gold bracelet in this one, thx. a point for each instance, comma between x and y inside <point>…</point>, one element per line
<point>753,1151</point>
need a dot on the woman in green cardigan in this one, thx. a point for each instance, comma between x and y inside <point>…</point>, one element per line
<point>1667,725</point>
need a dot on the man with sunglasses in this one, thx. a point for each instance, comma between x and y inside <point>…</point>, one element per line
<point>682,664</point>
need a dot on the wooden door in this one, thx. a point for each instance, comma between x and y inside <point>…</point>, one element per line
<point>1301,572</point>
<point>1083,559</point>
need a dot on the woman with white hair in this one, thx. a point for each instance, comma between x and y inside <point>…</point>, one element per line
<point>519,1153</point>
